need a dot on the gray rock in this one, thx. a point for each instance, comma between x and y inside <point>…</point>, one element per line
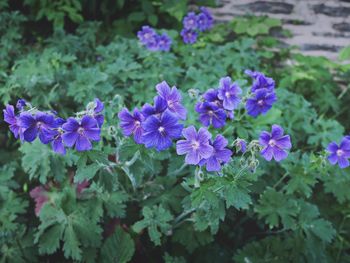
<point>268,7</point>
<point>332,10</point>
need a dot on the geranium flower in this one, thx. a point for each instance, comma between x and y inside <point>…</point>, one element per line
<point>160,131</point>
<point>81,133</point>
<point>131,123</point>
<point>275,144</point>
<point>210,114</point>
<point>260,102</point>
<point>229,93</point>
<point>339,154</point>
<point>164,42</point>
<point>196,145</point>
<point>190,21</point>
<point>219,156</point>
<point>173,99</point>
<point>41,124</point>
<point>12,120</point>
<point>204,19</point>
<point>189,36</point>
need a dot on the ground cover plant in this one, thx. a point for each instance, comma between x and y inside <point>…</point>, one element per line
<point>161,136</point>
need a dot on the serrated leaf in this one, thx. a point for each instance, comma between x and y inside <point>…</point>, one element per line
<point>119,247</point>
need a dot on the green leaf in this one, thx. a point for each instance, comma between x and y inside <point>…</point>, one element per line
<point>119,247</point>
<point>156,219</point>
<point>71,245</point>
<point>50,240</point>
<point>344,53</point>
<point>277,208</point>
<point>36,160</point>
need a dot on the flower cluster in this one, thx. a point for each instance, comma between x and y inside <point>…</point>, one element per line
<point>193,24</point>
<point>263,94</point>
<point>153,41</point>
<point>200,149</point>
<point>79,131</point>
<point>340,153</point>
<point>218,104</point>
<point>157,125</point>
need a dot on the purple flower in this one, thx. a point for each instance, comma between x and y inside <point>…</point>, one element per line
<point>196,145</point>
<point>173,99</point>
<point>81,133</point>
<point>339,154</point>
<point>229,93</point>
<point>204,20</point>
<point>261,102</point>
<point>41,124</point>
<point>160,131</point>
<point>164,42</point>
<point>12,120</point>
<point>131,124</point>
<point>160,105</point>
<point>347,137</point>
<point>57,142</point>
<point>211,95</point>
<point>190,21</point>
<point>220,155</point>
<point>21,103</point>
<point>148,37</point>
<point>275,144</point>
<point>210,114</point>
<point>189,36</point>
<point>241,145</point>
<point>252,74</point>
<point>260,81</point>
<point>99,106</point>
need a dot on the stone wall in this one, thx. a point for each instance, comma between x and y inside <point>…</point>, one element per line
<point>319,27</point>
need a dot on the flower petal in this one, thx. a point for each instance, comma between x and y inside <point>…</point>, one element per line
<point>333,158</point>
<point>277,131</point>
<point>93,134</point>
<point>183,147</point>
<point>213,165</point>
<point>71,125</point>
<point>284,142</point>
<point>192,157</point>
<point>267,153</point>
<point>279,154</point>
<point>83,144</point>
<point>264,138</point>
<point>69,138</point>
<point>190,133</point>
<point>343,162</point>
<point>30,134</point>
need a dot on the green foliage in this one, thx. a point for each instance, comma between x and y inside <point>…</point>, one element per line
<point>156,220</point>
<point>122,202</point>
<point>119,247</point>
<point>254,26</point>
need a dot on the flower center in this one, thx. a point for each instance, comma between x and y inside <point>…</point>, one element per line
<point>272,142</point>
<point>39,124</point>
<point>340,152</point>
<point>227,94</point>
<point>161,129</point>
<point>211,113</point>
<point>81,130</point>
<point>195,145</point>
<point>170,104</point>
<point>137,123</point>
<point>260,102</point>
